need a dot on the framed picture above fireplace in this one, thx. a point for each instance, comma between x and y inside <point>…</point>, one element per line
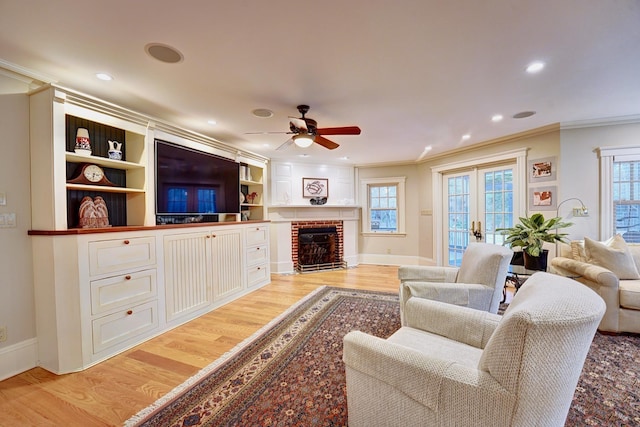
<point>315,187</point>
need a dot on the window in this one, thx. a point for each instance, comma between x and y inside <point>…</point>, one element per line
<point>383,205</point>
<point>626,199</point>
<point>620,192</point>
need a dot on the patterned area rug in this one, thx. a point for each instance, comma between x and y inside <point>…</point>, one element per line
<point>290,373</point>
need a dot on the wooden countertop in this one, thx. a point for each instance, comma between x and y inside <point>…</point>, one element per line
<point>77,231</point>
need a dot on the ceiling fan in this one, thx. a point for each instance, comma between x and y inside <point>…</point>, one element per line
<point>305,132</point>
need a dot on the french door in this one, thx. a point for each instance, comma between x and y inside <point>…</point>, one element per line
<point>476,202</point>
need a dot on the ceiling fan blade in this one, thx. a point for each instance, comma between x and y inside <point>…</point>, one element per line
<point>296,123</point>
<point>326,143</point>
<point>345,130</point>
<point>285,145</point>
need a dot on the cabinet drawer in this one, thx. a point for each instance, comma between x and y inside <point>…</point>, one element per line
<point>256,255</point>
<point>116,328</point>
<point>123,290</point>
<point>257,235</point>
<point>108,256</point>
<point>257,275</point>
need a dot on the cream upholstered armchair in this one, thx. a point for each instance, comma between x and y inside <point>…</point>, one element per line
<point>456,366</point>
<point>477,283</point>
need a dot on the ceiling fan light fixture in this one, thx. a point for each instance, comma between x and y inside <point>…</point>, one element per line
<point>303,140</point>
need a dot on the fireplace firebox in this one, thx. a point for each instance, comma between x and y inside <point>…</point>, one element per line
<point>319,249</point>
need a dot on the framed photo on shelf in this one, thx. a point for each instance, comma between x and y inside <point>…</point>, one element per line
<point>543,198</point>
<point>543,170</point>
<point>315,187</point>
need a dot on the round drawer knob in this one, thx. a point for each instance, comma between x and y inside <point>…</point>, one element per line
<point>126,242</point>
<point>129,312</point>
<point>127,277</point>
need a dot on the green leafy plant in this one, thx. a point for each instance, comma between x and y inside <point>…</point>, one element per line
<point>531,233</point>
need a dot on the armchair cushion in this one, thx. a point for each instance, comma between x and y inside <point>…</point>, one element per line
<point>613,255</point>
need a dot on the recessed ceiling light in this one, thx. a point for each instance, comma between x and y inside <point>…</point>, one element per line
<point>104,76</point>
<point>535,67</point>
<point>496,118</point>
<point>466,136</point>
<point>263,113</point>
<point>164,53</point>
<point>212,122</point>
<point>523,114</point>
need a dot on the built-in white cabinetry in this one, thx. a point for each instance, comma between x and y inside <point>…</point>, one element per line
<point>202,268</point>
<point>123,291</point>
<point>257,255</point>
<point>98,294</point>
<point>252,188</point>
<point>187,285</point>
<point>99,291</point>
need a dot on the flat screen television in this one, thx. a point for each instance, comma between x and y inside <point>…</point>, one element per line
<point>194,183</point>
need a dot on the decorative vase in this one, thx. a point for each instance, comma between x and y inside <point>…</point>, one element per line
<point>83,143</point>
<point>114,150</point>
<point>536,262</point>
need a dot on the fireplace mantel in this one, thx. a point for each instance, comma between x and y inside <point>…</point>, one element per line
<point>281,217</point>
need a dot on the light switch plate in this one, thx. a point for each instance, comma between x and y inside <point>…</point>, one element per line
<point>7,220</point>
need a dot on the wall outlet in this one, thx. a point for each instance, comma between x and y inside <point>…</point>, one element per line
<point>3,333</point>
<point>388,251</point>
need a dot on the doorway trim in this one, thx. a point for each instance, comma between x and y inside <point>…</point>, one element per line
<point>437,173</point>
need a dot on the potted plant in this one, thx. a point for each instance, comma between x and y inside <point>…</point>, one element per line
<point>530,234</point>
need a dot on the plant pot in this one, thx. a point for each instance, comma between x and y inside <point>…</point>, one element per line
<point>536,262</point>
<point>517,258</point>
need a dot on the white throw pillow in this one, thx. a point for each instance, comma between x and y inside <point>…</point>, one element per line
<point>613,255</point>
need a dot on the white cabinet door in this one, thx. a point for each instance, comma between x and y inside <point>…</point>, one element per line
<point>187,273</point>
<point>227,263</point>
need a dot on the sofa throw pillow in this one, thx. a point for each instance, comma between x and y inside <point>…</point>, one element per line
<point>613,255</point>
<point>577,250</point>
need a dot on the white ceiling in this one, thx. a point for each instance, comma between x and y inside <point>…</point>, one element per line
<point>410,73</point>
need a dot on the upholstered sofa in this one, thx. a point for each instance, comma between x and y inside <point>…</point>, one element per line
<point>612,269</point>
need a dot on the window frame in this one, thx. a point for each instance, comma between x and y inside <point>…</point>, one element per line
<point>400,184</point>
<point>607,156</point>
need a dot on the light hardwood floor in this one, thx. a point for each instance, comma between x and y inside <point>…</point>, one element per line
<point>114,390</point>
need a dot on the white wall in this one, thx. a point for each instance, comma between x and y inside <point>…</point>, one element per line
<point>286,183</point>
<point>397,248</point>
<point>579,166</point>
<point>16,279</point>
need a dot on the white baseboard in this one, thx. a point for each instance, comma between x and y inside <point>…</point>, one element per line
<point>18,358</point>
<point>390,259</point>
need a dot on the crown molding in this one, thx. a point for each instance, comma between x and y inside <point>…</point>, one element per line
<point>607,121</point>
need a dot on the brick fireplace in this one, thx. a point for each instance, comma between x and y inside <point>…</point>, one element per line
<point>287,220</point>
<point>318,238</point>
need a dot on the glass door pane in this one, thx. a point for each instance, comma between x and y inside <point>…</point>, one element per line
<point>457,213</point>
<point>497,211</point>
<point>479,199</point>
